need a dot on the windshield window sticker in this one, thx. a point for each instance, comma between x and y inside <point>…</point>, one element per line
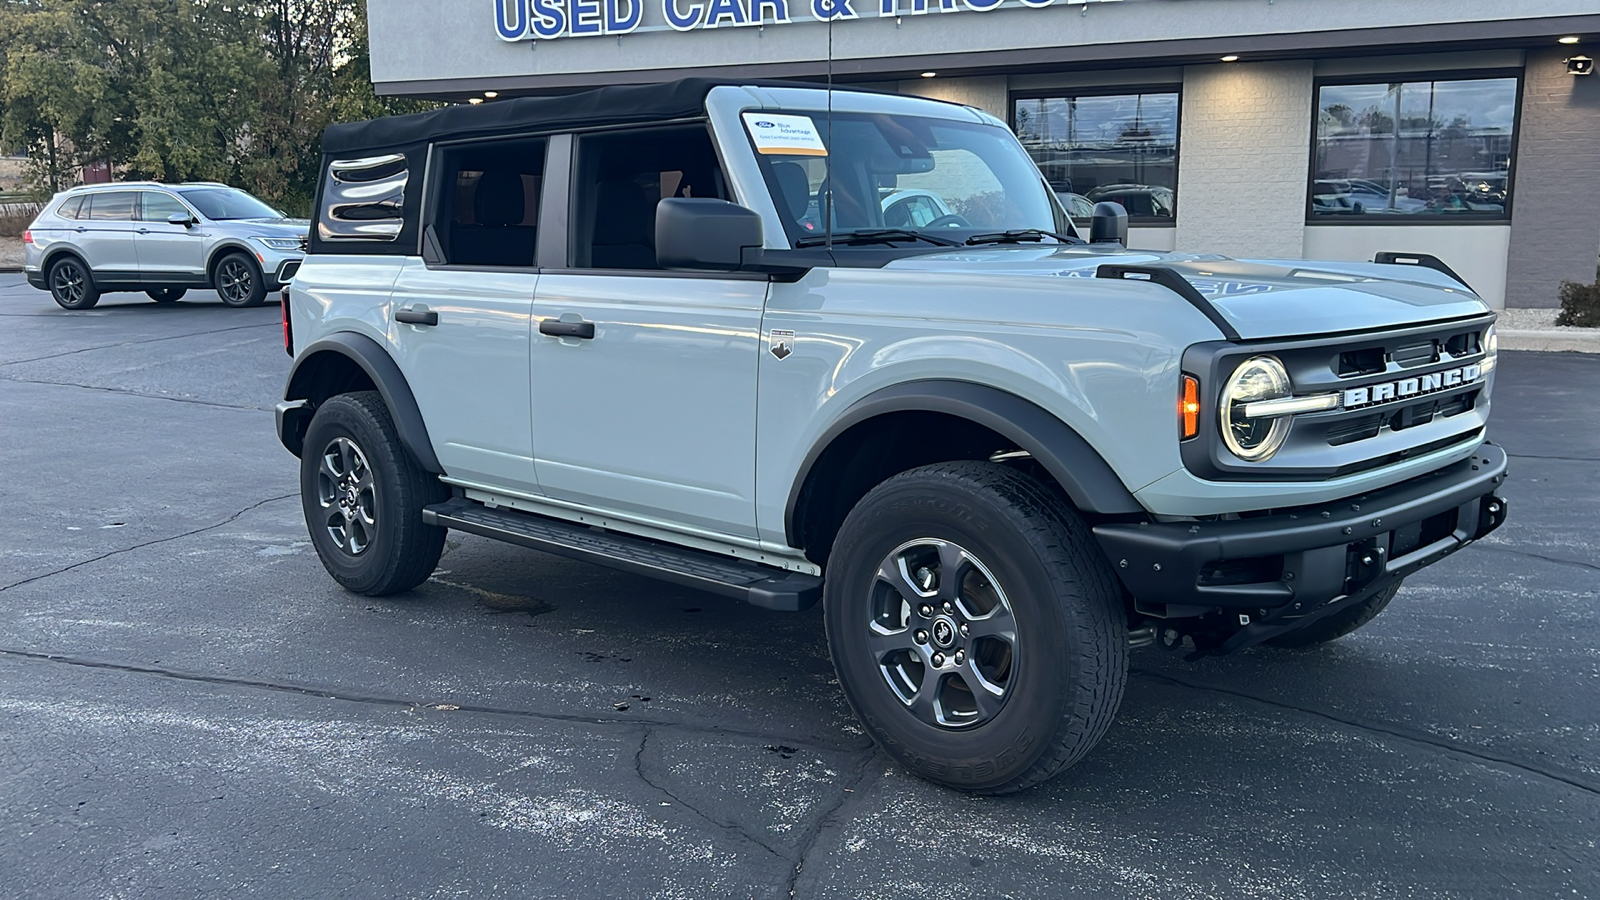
<point>784,135</point>
<point>782,343</point>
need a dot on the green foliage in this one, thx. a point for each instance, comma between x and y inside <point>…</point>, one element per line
<point>1580,303</point>
<point>182,90</point>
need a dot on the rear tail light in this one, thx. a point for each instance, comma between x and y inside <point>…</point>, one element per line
<point>27,237</point>
<point>288,329</point>
<point>1189,407</point>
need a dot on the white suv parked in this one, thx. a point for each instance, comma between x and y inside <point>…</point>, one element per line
<point>163,240</point>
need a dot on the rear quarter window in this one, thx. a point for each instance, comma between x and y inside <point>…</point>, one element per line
<point>364,199</point>
<point>69,209</point>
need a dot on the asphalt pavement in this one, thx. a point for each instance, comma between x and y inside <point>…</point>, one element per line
<point>189,707</point>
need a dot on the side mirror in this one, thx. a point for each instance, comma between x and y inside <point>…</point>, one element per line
<point>1108,224</point>
<point>699,233</point>
<point>180,219</point>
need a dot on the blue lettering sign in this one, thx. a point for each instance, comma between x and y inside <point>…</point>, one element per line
<point>826,10</point>
<point>585,16</point>
<point>780,11</point>
<point>550,18</point>
<point>615,23</point>
<point>731,10</point>
<point>983,5</point>
<point>681,21</point>
<point>511,19</point>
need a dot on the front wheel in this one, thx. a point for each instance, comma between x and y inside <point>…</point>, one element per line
<point>363,495</point>
<point>975,627</point>
<point>238,281</point>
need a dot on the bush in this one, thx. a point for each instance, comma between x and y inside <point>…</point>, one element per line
<point>1580,303</point>
<point>15,218</point>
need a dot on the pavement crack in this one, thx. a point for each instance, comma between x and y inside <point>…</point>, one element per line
<point>125,391</point>
<point>1416,737</point>
<point>411,704</point>
<point>1559,458</point>
<point>1550,559</point>
<point>813,833</point>
<point>730,828</point>
<point>150,543</point>
<point>169,337</point>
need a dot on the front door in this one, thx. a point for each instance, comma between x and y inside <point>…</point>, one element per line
<point>644,381</point>
<point>165,250</point>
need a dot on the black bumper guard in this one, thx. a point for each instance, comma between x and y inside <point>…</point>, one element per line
<point>1309,561</point>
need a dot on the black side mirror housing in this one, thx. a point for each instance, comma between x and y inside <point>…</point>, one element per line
<point>1108,224</point>
<point>705,234</point>
<point>180,219</point>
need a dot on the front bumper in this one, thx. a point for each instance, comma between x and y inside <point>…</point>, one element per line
<point>1295,563</point>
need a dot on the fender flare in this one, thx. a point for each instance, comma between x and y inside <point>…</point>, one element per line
<point>381,369</point>
<point>1082,472</point>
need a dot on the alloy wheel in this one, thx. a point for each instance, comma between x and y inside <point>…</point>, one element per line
<point>942,634</point>
<point>347,496</point>
<point>68,283</point>
<point>235,281</point>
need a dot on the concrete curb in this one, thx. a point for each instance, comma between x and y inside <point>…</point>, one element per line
<point>1552,340</point>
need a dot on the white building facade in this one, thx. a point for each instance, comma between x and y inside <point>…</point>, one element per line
<point>1257,128</point>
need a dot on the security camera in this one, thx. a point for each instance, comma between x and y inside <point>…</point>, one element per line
<point>1580,65</point>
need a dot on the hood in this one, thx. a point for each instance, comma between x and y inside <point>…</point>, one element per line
<point>274,227</point>
<point>1260,298</point>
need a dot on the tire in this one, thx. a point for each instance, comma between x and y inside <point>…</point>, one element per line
<point>1022,551</point>
<point>363,495</point>
<point>166,294</point>
<point>237,280</point>
<point>1339,624</point>
<point>72,284</point>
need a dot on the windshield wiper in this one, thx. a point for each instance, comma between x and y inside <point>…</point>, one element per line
<point>878,236</point>
<point>1021,235</point>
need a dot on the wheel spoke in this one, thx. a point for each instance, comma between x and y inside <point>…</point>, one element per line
<point>882,642</point>
<point>986,695</point>
<point>999,624</point>
<point>953,565</point>
<point>924,703</point>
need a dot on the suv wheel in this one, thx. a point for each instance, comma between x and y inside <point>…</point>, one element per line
<point>363,497</point>
<point>975,627</point>
<point>1338,624</point>
<point>166,294</point>
<point>71,284</point>
<point>238,281</point>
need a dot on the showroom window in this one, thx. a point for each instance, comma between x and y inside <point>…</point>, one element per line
<point>1105,146</point>
<point>1414,150</point>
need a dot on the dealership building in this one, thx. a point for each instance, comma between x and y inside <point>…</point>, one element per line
<point>1323,129</point>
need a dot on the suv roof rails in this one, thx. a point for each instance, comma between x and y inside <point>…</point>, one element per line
<point>206,183</point>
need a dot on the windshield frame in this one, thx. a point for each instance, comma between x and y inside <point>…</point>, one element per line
<point>1061,223</point>
<point>188,195</point>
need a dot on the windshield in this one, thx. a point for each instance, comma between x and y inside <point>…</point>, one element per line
<point>228,203</point>
<point>945,179</point>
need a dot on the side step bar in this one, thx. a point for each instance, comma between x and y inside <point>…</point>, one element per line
<point>751,582</point>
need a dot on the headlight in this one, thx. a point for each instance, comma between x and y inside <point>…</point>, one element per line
<point>1255,438</point>
<point>279,243</point>
<point>1491,350</point>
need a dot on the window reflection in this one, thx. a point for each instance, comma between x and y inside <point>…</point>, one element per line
<point>1119,147</point>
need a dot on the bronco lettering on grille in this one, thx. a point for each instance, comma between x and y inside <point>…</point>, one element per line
<point>1406,388</point>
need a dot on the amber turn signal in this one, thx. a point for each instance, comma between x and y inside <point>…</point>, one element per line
<point>1189,407</point>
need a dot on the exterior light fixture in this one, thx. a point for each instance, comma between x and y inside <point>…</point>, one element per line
<point>1569,39</point>
<point>475,100</point>
<point>491,94</point>
<point>1580,65</point>
<point>1230,58</point>
<point>929,74</point>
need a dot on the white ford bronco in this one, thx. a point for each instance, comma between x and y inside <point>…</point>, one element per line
<point>787,345</point>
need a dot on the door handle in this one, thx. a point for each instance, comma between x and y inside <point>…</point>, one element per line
<point>419,316</point>
<point>81,229</point>
<point>144,231</point>
<point>557,328</point>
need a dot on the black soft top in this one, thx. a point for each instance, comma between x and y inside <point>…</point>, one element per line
<point>617,104</point>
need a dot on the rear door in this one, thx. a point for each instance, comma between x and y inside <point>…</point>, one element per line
<point>461,314</point>
<point>166,251</point>
<point>106,235</point>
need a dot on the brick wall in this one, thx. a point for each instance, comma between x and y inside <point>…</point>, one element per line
<point>1244,144</point>
<point>1555,225</point>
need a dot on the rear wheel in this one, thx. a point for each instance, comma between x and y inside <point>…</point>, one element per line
<point>976,628</point>
<point>238,281</point>
<point>71,284</point>
<point>1338,624</point>
<point>363,495</point>
<point>166,294</point>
